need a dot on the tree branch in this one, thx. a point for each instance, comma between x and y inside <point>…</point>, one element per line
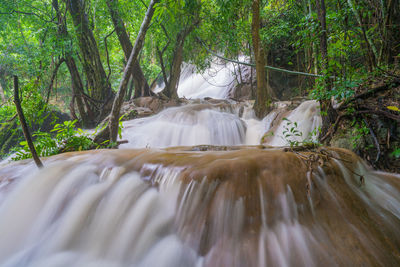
<point>108,57</point>
<point>26,13</point>
<point>24,126</point>
<point>53,76</point>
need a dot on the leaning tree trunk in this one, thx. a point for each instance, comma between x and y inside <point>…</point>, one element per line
<point>99,86</point>
<point>119,98</point>
<point>141,86</point>
<point>263,100</point>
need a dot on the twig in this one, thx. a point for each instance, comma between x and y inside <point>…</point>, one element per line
<point>388,72</point>
<point>371,92</point>
<point>379,112</point>
<point>24,126</point>
<point>13,118</point>
<point>144,4</point>
<point>53,76</point>
<point>378,154</point>
<point>333,128</point>
<point>25,13</point>
<point>108,57</point>
<point>160,56</point>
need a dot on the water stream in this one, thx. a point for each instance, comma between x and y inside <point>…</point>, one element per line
<point>158,201</point>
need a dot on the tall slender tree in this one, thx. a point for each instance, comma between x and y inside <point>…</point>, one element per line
<point>99,87</point>
<point>116,107</point>
<point>263,99</point>
<point>187,24</point>
<point>328,112</point>
<point>85,111</point>
<point>140,82</point>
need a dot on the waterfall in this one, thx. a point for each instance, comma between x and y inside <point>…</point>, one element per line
<point>162,201</point>
<point>223,122</point>
<point>227,124</point>
<point>193,124</point>
<point>248,207</point>
<point>213,82</point>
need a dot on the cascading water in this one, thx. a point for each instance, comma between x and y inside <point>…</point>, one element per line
<point>249,207</point>
<point>243,206</point>
<point>219,124</point>
<point>193,124</point>
<point>214,82</point>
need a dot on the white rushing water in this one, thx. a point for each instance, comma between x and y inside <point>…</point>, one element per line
<point>225,124</point>
<point>179,208</point>
<point>214,82</point>
<point>189,125</point>
<point>208,124</point>
<point>94,210</point>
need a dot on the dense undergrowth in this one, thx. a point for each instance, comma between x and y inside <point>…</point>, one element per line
<point>368,121</point>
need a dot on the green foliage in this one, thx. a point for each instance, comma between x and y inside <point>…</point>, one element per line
<point>396,153</point>
<point>66,138</point>
<point>360,130</point>
<point>120,126</point>
<point>291,134</point>
<point>341,90</point>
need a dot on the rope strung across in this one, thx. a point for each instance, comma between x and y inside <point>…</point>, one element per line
<point>253,65</point>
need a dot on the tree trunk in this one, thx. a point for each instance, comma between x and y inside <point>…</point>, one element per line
<point>328,113</point>
<point>140,81</point>
<point>372,51</point>
<point>119,98</point>
<point>175,69</point>
<point>53,77</point>
<point>323,35</point>
<point>177,57</point>
<point>87,118</point>
<point>77,91</point>
<point>263,100</point>
<point>24,125</point>
<point>2,96</point>
<point>391,31</point>
<point>314,49</point>
<point>130,91</point>
<point>98,87</point>
<point>3,84</point>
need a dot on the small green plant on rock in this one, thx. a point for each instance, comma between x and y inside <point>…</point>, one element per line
<point>291,133</point>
